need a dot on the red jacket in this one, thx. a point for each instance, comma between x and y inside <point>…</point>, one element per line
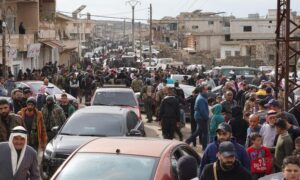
<point>260,160</point>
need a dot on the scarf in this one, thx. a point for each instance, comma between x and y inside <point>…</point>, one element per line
<point>15,161</point>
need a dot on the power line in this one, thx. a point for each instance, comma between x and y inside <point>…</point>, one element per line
<point>125,12</point>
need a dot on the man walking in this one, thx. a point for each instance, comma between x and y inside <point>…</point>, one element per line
<point>169,114</point>
<point>147,94</point>
<point>227,167</point>
<point>224,133</point>
<point>68,108</point>
<point>53,116</point>
<point>18,161</point>
<point>8,120</point>
<point>34,123</point>
<point>201,117</point>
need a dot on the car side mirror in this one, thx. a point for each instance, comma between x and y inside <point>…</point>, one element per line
<point>55,129</point>
<point>135,132</point>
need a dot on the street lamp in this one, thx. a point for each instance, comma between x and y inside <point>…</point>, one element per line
<point>75,13</point>
<point>133,3</point>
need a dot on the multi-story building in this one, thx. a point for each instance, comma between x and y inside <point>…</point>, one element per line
<point>253,37</point>
<point>37,17</point>
<point>204,31</point>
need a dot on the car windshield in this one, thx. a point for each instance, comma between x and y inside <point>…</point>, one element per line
<point>95,166</point>
<point>115,99</point>
<point>52,89</point>
<point>94,124</point>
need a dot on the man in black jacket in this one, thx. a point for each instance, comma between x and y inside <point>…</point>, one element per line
<point>169,114</point>
<point>227,166</point>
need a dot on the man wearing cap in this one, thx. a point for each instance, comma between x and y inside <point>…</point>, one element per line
<point>53,116</point>
<point>268,131</point>
<point>227,167</point>
<point>8,120</point>
<point>34,124</point>
<point>224,133</point>
<point>276,106</point>
<point>18,161</point>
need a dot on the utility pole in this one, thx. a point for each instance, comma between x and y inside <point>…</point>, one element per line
<point>140,40</point>
<point>3,39</point>
<point>150,39</point>
<point>124,30</point>
<point>133,3</point>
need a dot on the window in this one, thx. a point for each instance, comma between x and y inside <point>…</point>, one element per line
<point>210,23</point>
<point>270,22</point>
<point>247,28</point>
<point>132,121</point>
<point>237,53</point>
<point>195,27</point>
<point>227,53</point>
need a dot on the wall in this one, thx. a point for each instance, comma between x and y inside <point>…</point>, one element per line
<point>231,48</point>
<point>28,14</point>
<point>261,29</point>
<point>208,43</point>
<point>203,25</point>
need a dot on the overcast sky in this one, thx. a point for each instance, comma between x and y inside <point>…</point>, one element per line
<point>161,8</point>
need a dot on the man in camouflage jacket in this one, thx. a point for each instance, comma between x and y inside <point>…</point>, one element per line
<point>53,116</point>
<point>8,120</point>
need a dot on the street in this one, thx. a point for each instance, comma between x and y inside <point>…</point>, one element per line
<point>153,130</point>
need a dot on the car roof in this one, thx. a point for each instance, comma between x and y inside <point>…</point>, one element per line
<point>103,110</point>
<point>104,89</point>
<point>129,146</point>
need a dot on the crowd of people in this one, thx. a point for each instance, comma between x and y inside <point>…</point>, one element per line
<point>243,129</point>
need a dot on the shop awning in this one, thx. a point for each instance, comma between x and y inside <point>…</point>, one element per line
<point>54,44</point>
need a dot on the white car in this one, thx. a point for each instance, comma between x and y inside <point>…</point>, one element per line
<point>147,51</point>
<point>112,96</point>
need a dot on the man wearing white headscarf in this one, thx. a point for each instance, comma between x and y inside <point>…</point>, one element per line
<point>18,161</point>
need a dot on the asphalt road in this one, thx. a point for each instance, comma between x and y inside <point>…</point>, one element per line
<point>153,130</point>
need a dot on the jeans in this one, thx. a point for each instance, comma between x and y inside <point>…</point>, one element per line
<point>201,131</point>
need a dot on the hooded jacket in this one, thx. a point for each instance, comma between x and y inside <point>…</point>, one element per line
<point>169,108</point>
<point>210,154</point>
<point>216,119</point>
<point>13,169</point>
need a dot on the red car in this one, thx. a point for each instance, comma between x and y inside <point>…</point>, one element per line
<point>125,158</point>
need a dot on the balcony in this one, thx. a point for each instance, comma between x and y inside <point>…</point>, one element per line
<point>46,34</point>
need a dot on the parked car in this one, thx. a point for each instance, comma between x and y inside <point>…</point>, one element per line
<point>86,124</point>
<point>110,96</point>
<point>35,87</point>
<point>125,158</point>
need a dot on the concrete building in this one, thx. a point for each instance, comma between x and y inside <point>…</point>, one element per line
<point>204,31</point>
<point>37,17</point>
<point>254,37</point>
